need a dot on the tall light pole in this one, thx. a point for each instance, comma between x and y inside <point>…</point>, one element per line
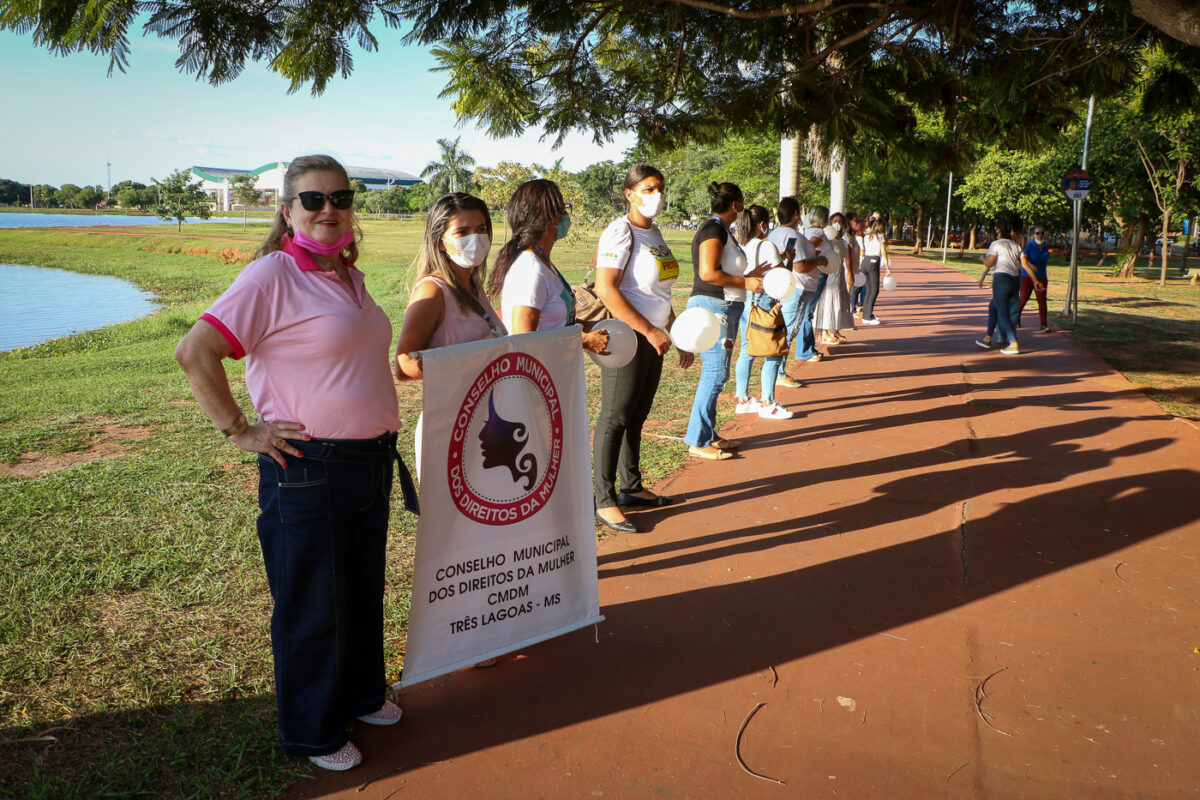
<point>1072,307</point>
<point>946,233</point>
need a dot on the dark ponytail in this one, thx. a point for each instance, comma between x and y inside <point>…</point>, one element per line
<point>724,195</point>
<point>534,208</point>
<point>748,222</point>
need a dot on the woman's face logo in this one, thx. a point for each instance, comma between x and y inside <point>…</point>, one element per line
<point>502,442</point>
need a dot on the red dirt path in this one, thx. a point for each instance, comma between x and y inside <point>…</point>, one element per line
<point>957,574</point>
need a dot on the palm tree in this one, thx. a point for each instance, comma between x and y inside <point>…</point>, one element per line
<point>452,173</point>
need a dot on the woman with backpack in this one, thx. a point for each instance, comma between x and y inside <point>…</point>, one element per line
<point>760,253</point>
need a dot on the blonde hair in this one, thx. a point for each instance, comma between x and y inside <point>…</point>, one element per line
<point>297,169</point>
<point>433,260</point>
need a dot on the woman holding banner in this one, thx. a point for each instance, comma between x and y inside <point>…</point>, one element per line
<point>325,475</point>
<point>533,294</point>
<point>447,304</point>
<point>634,274</point>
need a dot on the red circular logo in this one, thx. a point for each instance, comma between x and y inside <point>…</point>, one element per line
<point>506,442</point>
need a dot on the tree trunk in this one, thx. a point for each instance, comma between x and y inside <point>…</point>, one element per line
<point>918,234</point>
<point>1166,250</point>
<point>1126,234</point>
<point>1135,246</point>
<point>974,230</point>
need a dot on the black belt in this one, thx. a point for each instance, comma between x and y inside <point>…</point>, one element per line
<point>381,449</point>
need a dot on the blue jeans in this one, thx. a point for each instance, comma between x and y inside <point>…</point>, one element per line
<point>798,312</point>
<point>714,370</point>
<point>771,364</point>
<point>323,530</point>
<point>1004,306</point>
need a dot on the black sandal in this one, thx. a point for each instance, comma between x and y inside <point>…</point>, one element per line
<point>658,501</point>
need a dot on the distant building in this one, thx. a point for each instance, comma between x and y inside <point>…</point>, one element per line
<point>216,181</point>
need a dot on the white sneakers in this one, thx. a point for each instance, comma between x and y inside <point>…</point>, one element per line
<point>388,714</point>
<point>774,411</point>
<point>748,406</point>
<point>349,756</point>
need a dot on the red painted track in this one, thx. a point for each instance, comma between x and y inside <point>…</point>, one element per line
<point>956,574</point>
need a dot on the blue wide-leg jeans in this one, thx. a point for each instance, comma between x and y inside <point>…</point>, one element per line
<point>714,370</point>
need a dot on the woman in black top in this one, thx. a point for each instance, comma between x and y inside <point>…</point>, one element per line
<point>719,264</point>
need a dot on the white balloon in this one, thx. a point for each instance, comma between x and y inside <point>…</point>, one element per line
<point>860,279</point>
<point>622,344</point>
<point>833,258</point>
<point>779,283</point>
<point>695,330</point>
<point>889,282</point>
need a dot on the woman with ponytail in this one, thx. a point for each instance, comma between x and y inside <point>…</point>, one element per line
<point>316,347</point>
<point>719,265</point>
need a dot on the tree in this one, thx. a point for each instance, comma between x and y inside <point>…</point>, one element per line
<point>1005,181</point>
<point>12,192</point>
<point>67,195</point>
<point>1168,140</point>
<point>452,173</point>
<point>179,198</point>
<point>89,196</point>
<point>243,189</point>
<point>603,188</point>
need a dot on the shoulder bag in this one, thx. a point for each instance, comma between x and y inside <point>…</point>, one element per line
<point>589,308</point>
<point>766,333</point>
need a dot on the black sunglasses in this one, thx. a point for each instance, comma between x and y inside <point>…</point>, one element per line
<point>315,201</point>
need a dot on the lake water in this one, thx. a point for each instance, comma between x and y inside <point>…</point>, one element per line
<point>16,220</point>
<point>41,304</point>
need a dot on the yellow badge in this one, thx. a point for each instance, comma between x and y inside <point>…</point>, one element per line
<point>668,267</point>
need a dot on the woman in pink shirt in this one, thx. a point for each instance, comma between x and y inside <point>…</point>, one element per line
<point>317,369</point>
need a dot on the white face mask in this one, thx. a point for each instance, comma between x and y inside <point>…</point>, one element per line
<point>837,226</point>
<point>651,205</point>
<point>472,250</point>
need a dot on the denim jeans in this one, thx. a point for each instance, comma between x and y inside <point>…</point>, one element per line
<point>1004,306</point>
<point>323,530</point>
<point>714,370</point>
<point>770,366</point>
<point>798,311</point>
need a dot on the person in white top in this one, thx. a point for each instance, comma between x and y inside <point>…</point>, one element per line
<point>533,294</point>
<point>635,270</point>
<point>760,254</point>
<point>875,256</point>
<point>833,309</point>
<point>801,257</point>
<point>1006,259</point>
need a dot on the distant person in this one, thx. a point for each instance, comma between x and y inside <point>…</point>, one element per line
<point>855,239</point>
<point>635,271</point>
<point>1004,257</point>
<point>1037,253</point>
<point>801,257</point>
<point>761,255</point>
<point>317,349</point>
<point>532,291</point>
<point>719,264</point>
<point>833,309</point>
<point>875,258</point>
<point>814,233</point>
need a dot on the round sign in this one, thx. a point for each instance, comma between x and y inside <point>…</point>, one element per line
<point>506,443</point>
<point>1076,184</point>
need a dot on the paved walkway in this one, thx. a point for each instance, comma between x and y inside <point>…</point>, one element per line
<point>957,574</point>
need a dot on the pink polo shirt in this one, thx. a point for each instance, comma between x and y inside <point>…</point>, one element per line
<point>315,354</point>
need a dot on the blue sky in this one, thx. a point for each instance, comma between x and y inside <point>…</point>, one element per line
<point>63,115</point>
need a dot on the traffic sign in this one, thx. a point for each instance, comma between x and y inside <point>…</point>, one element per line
<point>1076,184</point>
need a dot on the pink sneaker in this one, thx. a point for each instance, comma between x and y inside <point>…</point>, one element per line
<point>346,758</point>
<point>748,406</point>
<point>388,714</point>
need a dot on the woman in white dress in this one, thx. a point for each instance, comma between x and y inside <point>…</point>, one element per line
<point>833,308</point>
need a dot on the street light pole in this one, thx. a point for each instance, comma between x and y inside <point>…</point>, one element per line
<point>946,232</point>
<point>1072,309</point>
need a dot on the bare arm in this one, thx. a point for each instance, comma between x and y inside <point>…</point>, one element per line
<point>200,354</point>
<point>989,262</point>
<point>426,309</point>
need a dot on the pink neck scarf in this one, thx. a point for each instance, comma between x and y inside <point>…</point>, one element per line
<point>321,249</point>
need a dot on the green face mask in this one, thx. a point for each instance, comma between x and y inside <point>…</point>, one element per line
<point>564,225</point>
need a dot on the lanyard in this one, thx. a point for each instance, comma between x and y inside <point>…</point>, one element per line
<point>480,310</point>
<point>568,297</point>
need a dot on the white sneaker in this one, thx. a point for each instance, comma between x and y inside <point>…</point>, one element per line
<point>775,411</point>
<point>748,406</point>
<point>871,321</point>
<point>388,714</point>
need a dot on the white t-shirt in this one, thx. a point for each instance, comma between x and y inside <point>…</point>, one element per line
<point>531,283</point>
<point>872,246</point>
<point>759,252</point>
<point>651,268</point>
<point>804,252</point>
<point>1008,256</point>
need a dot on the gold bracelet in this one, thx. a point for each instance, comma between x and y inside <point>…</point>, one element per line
<point>239,426</point>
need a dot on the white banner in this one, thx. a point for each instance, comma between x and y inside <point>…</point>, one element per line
<point>506,546</point>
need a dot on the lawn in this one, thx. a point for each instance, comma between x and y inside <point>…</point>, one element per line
<point>134,653</point>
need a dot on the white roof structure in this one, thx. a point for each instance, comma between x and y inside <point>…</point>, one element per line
<point>269,180</point>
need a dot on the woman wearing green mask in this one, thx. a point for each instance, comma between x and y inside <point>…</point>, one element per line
<point>533,294</point>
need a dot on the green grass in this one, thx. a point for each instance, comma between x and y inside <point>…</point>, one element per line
<point>1151,334</point>
<point>134,625</point>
